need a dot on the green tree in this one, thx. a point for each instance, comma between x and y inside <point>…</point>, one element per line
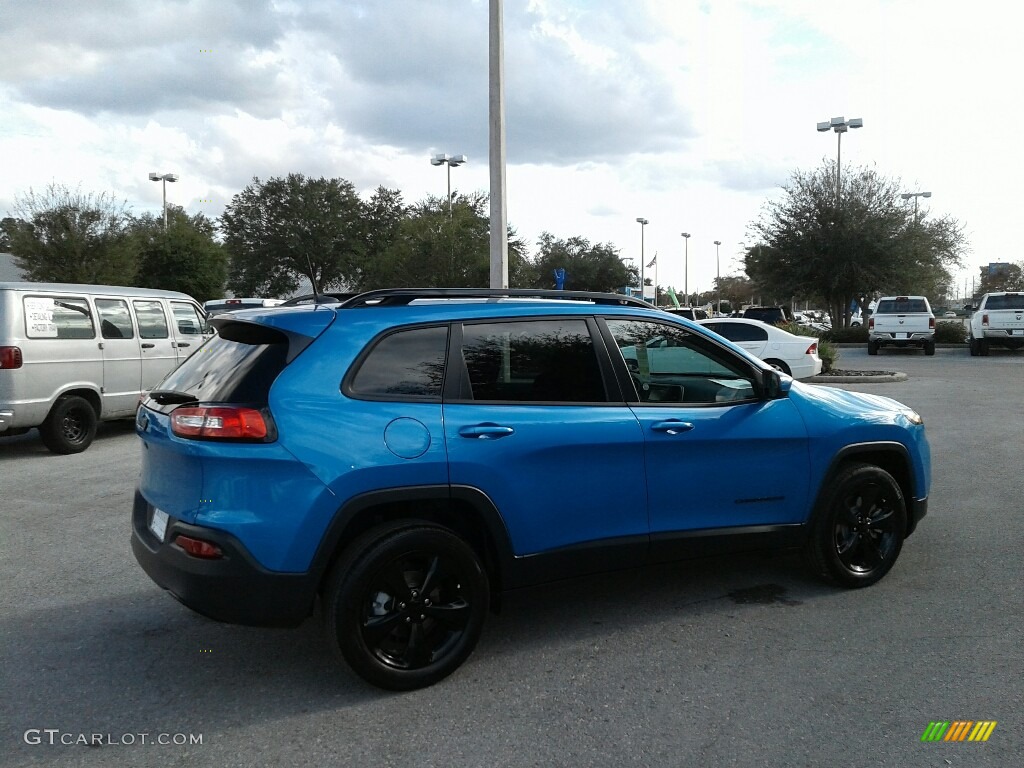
<point>588,267</point>
<point>869,242</point>
<point>431,248</point>
<point>183,258</point>
<point>1010,278</point>
<point>277,231</point>
<point>65,235</point>
<point>5,239</point>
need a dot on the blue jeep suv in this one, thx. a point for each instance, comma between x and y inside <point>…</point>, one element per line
<point>404,456</point>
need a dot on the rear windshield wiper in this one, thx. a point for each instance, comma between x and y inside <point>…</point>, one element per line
<point>172,397</point>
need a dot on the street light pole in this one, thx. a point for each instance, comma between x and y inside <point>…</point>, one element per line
<point>172,177</point>
<point>455,161</point>
<point>643,223</point>
<point>840,125</point>
<point>718,280</point>
<point>686,267</point>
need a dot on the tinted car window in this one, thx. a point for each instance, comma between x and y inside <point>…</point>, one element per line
<point>1009,301</point>
<point>115,322</point>
<point>532,361</point>
<point>896,306</point>
<point>670,364</point>
<point>770,315</point>
<point>409,363</point>
<point>233,367</point>
<point>739,331</point>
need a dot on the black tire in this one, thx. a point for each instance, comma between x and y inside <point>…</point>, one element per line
<point>858,531</point>
<point>70,426</point>
<point>983,347</point>
<point>929,348</point>
<point>872,347</point>
<point>406,604</point>
<point>972,345</point>
<point>779,365</point>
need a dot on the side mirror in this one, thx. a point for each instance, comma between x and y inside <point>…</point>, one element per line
<point>775,385</point>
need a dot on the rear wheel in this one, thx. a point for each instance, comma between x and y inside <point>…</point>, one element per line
<point>872,347</point>
<point>779,365</point>
<point>983,347</point>
<point>70,426</point>
<point>972,345</point>
<point>929,348</point>
<point>406,605</point>
<point>858,531</point>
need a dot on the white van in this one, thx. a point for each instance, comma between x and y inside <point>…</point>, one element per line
<point>71,355</point>
<point>220,306</point>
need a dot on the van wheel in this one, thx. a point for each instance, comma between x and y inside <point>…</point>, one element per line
<point>858,531</point>
<point>406,605</point>
<point>70,427</point>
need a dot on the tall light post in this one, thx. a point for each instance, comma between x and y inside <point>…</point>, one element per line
<point>165,177</point>
<point>718,279</point>
<point>840,125</point>
<point>450,161</point>
<point>917,229</point>
<point>686,266</point>
<point>643,223</point>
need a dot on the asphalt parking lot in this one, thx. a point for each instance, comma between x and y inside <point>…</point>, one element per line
<point>718,662</point>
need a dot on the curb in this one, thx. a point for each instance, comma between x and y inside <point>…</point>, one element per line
<point>876,379</point>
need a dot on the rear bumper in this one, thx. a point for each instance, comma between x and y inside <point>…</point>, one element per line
<point>233,588</point>
<point>914,339</point>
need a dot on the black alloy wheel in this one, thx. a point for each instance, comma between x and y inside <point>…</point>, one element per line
<point>407,605</point>
<point>859,531</point>
<point>70,426</point>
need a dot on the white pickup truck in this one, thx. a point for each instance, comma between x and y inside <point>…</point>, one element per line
<point>902,321</point>
<point>999,319</point>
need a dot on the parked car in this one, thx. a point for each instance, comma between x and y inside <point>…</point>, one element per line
<point>73,355</point>
<point>405,456</point>
<point>796,356</point>
<point>690,313</point>
<point>949,313</point>
<point>998,320</point>
<point>770,315</point>
<point>217,306</point>
<point>902,321</point>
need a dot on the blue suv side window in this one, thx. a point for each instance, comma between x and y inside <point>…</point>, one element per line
<point>669,364</point>
<point>549,360</point>
<point>406,364</point>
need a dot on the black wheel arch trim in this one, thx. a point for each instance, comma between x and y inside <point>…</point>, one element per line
<point>917,505</point>
<point>486,514</point>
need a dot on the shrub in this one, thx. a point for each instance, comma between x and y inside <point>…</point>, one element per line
<point>827,351</point>
<point>855,335</point>
<point>950,332</point>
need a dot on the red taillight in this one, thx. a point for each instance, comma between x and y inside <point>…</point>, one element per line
<point>812,349</point>
<point>10,357</point>
<point>221,422</point>
<point>871,323</point>
<point>984,319</point>
<point>931,323</point>
<point>199,548</point>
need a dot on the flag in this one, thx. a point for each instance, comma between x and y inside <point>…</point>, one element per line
<point>653,261</point>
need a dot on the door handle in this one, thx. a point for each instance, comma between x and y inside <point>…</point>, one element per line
<point>183,344</point>
<point>672,426</point>
<point>485,431</point>
<point>147,345</point>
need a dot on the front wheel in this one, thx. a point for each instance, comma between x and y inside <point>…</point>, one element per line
<point>858,532</point>
<point>406,605</point>
<point>70,426</point>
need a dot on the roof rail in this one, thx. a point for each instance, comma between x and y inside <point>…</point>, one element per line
<point>400,296</point>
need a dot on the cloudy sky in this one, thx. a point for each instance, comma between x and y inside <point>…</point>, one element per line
<point>688,113</point>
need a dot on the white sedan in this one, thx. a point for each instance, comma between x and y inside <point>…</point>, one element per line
<point>791,354</point>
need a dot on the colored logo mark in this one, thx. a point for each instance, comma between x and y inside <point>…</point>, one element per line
<point>959,730</point>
